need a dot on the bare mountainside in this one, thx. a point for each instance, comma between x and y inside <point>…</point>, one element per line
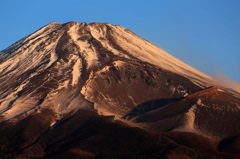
<point>78,90</point>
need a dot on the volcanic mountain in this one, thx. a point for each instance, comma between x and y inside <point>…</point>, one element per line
<point>78,90</point>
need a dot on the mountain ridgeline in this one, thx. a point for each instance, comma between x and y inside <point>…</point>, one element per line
<point>78,90</point>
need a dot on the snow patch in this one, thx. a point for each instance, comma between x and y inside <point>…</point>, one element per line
<point>188,121</point>
<point>77,70</point>
<point>85,48</point>
<point>199,102</point>
<point>21,105</point>
<point>7,101</point>
<point>54,124</point>
<point>186,94</point>
<point>102,37</point>
<point>118,64</point>
<point>64,84</point>
<point>5,104</point>
<point>53,57</point>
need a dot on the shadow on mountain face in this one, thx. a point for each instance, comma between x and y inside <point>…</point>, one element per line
<point>151,105</point>
<point>230,145</point>
<point>88,135</point>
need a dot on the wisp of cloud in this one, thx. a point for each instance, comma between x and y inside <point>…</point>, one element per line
<point>230,82</point>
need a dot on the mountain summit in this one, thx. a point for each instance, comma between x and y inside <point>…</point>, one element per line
<point>69,87</point>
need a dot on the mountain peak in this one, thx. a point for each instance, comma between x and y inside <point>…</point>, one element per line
<point>54,22</point>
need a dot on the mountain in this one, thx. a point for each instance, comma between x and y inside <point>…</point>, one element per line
<point>78,90</point>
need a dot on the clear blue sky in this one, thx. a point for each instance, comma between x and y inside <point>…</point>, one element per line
<point>205,34</point>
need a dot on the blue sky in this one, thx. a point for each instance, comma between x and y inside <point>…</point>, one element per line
<point>204,34</point>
